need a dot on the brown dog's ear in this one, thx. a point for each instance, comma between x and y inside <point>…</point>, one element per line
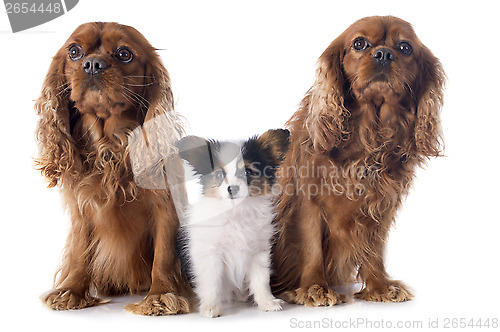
<point>157,90</point>
<point>162,126</point>
<point>428,136</point>
<point>57,154</point>
<point>324,103</point>
<point>154,141</point>
<point>276,141</point>
<point>161,122</point>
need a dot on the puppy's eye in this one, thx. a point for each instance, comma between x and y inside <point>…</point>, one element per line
<point>240,173</point>
<point>216,178</point>
<point>75,52</point>
<point>248,172</point>
<point>405,48</point>
<point>360,44</point>
<point>219,175</point>
<point>124,54</point>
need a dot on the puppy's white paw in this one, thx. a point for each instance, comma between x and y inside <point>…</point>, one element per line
<point>271,305</point>
<point>210,311</point>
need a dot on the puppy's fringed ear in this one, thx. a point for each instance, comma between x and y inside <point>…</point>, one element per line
<point>428,135</point>
<point>57,151</point>
<point>277,142</point>
<point>324,102</point>
<point>197,151</point>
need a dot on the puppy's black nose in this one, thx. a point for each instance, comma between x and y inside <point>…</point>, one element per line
<point>94,66</point>
<point>383,56</point>
<point>233,190</point>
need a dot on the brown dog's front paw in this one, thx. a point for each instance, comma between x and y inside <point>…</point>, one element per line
<point>393,291</point>
<point>313,296</point>
<point>65,299</point>
<point>159,305</point>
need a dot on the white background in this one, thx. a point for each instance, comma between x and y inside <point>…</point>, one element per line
<point>239,68</point>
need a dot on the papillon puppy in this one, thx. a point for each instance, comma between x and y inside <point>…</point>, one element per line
<point>228,231</point>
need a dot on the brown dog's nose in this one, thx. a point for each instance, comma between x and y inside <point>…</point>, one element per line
<point>94,66</point>
<point>383,56</point>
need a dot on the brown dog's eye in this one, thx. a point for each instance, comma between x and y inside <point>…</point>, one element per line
<point>405,48</point>
<point>360,44</point>
<point>75,52</point>
<point>124,54</point>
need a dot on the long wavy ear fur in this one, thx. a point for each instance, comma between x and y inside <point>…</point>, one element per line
<point>277,142</point>
<point>162,125</point>
<point>154,141</point>
<point>428,136</point>
<point>324,103</point>
<point>57,154</point>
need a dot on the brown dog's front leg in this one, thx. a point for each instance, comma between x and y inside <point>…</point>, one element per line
<point>72,288</point>
<point>165,297</point>
<point>313,290</point>
<point>378,287</point>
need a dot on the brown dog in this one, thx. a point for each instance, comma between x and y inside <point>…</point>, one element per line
<point>107,121</point>
<point>370,118</point>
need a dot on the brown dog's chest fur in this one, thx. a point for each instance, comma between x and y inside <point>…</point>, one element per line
<point>122,247</point>
<point>119,227</point>
<point>359,196</point>
<point>362,217</point>
<point>115,213</point>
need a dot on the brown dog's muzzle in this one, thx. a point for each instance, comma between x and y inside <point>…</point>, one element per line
<point>94,66</point>
<point>383,56</point>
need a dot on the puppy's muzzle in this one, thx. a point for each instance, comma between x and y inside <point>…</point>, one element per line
<point>233,191</point>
